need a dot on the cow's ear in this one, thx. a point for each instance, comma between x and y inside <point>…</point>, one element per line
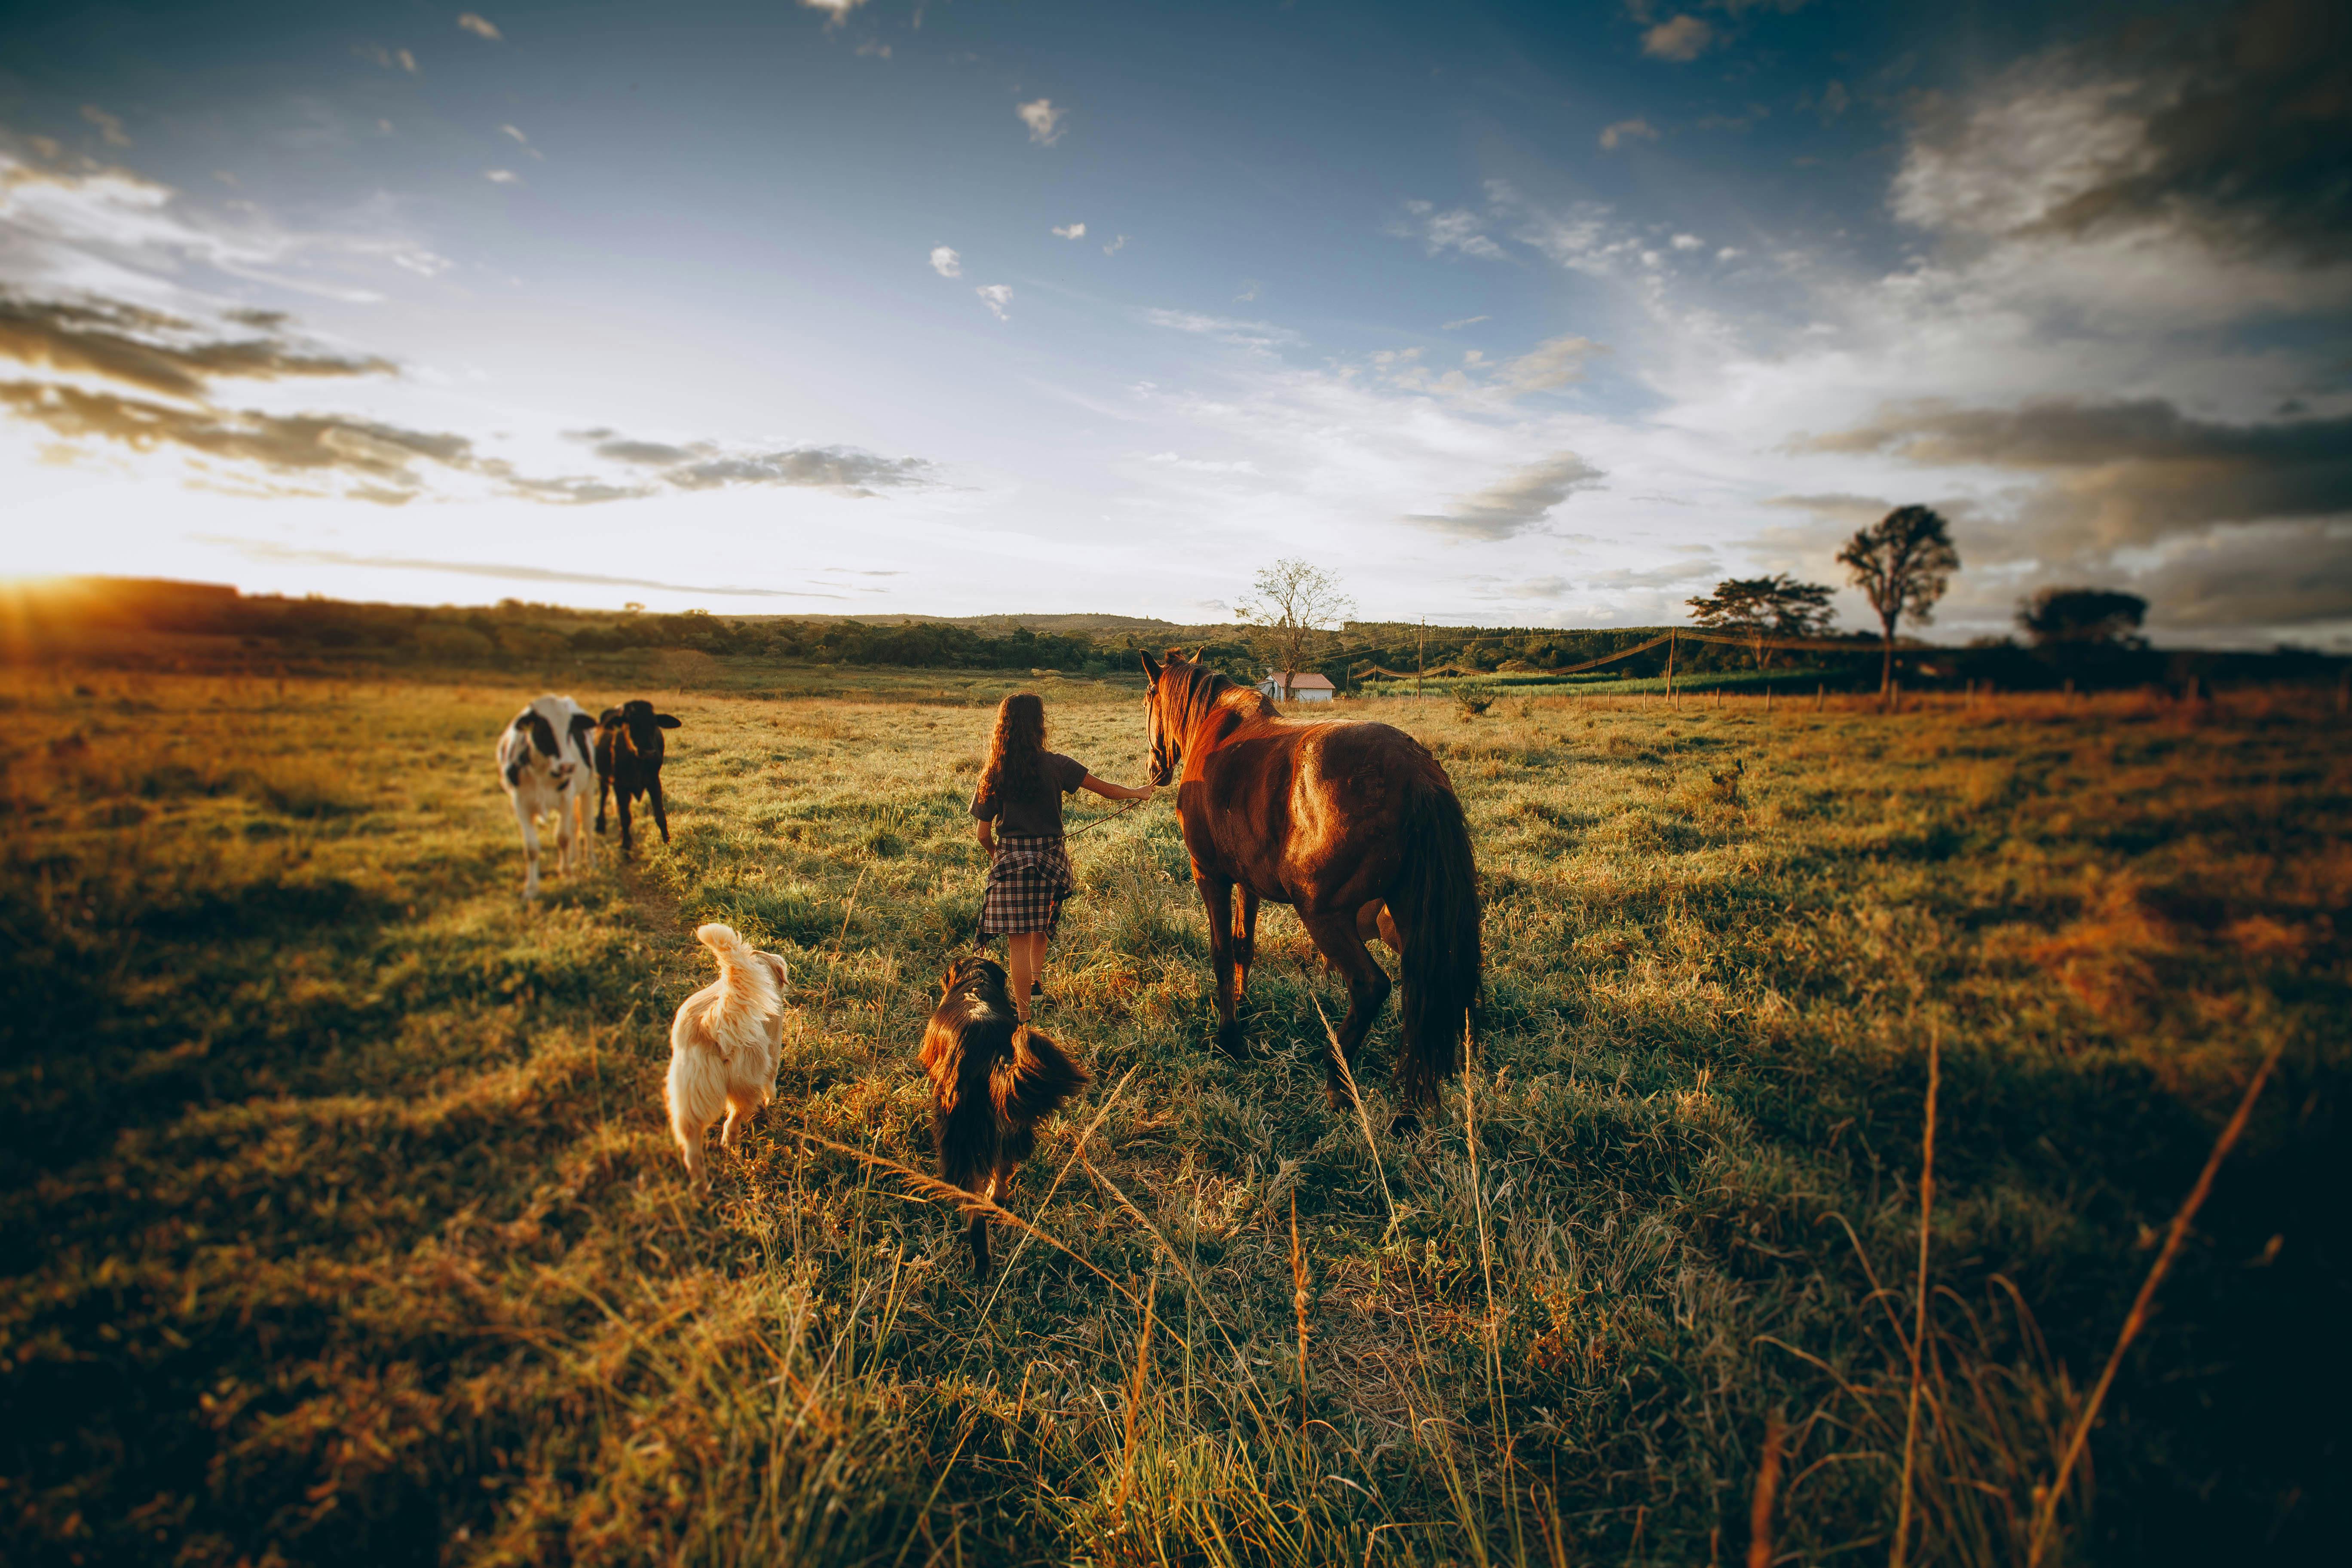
<point>1150,668</point>
<point>522,721</point>
<point>666,721</point>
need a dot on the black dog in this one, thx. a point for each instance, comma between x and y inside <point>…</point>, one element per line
<point>993,1078</point>
<point>628,762</point>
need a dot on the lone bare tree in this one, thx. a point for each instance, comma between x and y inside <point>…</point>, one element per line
<point>1294,604</point>
<point>1903,563</point>
<point>1756,606</point>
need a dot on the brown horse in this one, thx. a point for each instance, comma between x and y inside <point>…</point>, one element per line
<point>1336,820</point>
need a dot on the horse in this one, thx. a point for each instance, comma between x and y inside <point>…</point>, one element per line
<point>1336,818</point>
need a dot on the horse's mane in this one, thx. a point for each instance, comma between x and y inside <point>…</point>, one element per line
<point>1204,688</point>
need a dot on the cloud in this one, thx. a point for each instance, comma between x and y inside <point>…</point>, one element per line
<point>299,445</point>
<point>109,127</point>
<point>1457,228</point>
<point>1116,246</point>
<point>1224,329</point>
<point>1202,465</point>
<point>2118,475</point>
<point>835,10</point>
<point>1464,322</point>
<point>388,58</point>
<point>1516,503</point>
<point>480,27</point>
<point>704,465</point>
<point>86,225</point>
<point>156,351</point>
<point>502,176</point>
<point>2273,574</point>
<point>267,550</point>
<point>1689,242</point>
<point>1615,136</point>
<point>996,297</point>
<point>1680,39</point>
<point>521,139</point>
<point>1043,121</point>
<point>946,262</point>
<point>1551,364</point>
<point>1069,231</point>
<point>2235,131</point>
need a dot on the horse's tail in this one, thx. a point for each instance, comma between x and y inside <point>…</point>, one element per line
<point>1438,898</point>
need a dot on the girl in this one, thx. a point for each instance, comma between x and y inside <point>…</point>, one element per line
<point>1017,815</point>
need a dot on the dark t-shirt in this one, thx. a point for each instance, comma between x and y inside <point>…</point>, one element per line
<point>1036,812</point>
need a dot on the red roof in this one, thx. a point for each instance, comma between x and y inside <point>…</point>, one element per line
<point>1311,682</point>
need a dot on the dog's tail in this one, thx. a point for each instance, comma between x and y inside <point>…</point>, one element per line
<point>1032,1082</point>
<point>749,993</point>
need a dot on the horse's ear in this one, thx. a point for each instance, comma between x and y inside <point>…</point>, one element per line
<point>1150,668</point>
<point>1194,656</point>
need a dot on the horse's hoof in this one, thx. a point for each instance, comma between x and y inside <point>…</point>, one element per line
<point>1229,1040</point>
<point>1406,1125</point>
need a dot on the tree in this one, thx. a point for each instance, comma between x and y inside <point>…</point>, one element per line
<point>1756,606</point>
<point>2078,616</point>
<point>1296,604</point>
<point>1903,563</point>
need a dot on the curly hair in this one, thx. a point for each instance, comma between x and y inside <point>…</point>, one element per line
<point>1016,751</point>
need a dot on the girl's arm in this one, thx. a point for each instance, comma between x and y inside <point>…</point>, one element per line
<point>1116,791</point>
<point>982,829</point>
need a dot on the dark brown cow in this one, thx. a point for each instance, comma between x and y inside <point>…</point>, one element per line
<point>629,750</point>
<point>1336,820</point>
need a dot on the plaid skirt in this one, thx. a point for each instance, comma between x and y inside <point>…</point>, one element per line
<point>1026,884</point>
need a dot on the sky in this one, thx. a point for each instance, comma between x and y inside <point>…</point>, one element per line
<point>1543,315</point>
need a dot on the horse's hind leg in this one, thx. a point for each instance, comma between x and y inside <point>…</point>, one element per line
<point>1368,986</point>
<point>1245,941</point>
<point>1218,896</point>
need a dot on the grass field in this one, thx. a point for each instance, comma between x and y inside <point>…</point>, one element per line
<point>339,1221</point>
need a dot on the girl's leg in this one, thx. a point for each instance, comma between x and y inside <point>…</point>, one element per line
<point>1027,951</point>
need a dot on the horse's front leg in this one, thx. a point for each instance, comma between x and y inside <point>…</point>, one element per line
<point>1218,895</point>
<point>1368,987</point>
<point>1246,941</point>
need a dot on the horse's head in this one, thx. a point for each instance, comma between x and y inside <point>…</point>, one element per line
<point>1163,704</point>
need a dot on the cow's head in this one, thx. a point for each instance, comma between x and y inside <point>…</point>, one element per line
<point>645,726</point>
<point>539,749</point>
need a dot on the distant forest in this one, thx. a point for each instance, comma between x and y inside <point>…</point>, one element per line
<point>77,614</point>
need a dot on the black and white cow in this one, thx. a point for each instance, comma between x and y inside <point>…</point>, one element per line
<point>629,752</point>
<point>547,761</point>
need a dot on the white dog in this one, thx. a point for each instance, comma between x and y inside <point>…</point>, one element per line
<point>725,1046</point>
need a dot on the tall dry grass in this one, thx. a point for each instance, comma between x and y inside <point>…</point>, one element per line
<point>340,1219</point>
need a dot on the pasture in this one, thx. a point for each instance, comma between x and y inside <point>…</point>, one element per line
<point>338,1218</point>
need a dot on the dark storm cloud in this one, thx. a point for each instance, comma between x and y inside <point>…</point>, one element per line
<point>2237,129</point>
<point>156,351</point>
<point>2124,473</point>
<point>2252,524</point>
<point>2280,575</point>
<point>1516,503</point>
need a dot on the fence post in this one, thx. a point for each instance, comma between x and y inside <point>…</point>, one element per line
<point>1820,696</point>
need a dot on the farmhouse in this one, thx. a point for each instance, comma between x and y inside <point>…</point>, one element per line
<point>1297,688</point>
